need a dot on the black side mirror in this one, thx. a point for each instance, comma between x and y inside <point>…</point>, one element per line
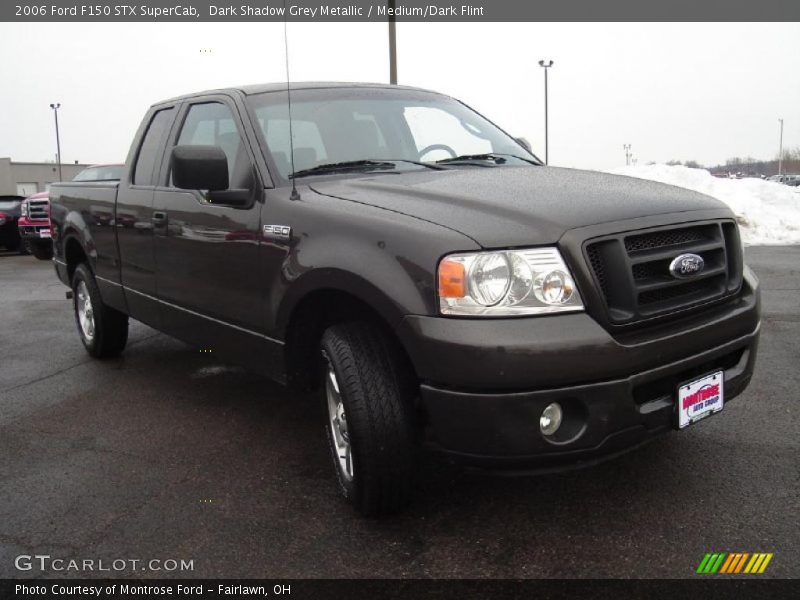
<point>199,168</point>
<point>524,143</point>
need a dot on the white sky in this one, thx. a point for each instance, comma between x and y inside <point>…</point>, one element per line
<point>674,91</point>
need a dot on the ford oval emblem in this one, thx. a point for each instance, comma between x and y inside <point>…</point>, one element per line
<point>686,265</point>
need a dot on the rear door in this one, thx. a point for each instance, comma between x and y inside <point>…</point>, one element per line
<point>132,218</point>
<point>207,254</point>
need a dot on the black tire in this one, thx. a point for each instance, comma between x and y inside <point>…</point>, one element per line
<point>42,251</point>
<point>377,395</point>
<point>109,330</point>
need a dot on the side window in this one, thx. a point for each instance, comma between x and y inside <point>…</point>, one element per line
<point>153,139</point>
<point>213,124</point>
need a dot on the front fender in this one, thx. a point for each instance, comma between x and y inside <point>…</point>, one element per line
<point>385,259</point>
<point>336,279</point>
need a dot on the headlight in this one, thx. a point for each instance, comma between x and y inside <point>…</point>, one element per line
<point>509,282</point>
<point>24,209</point>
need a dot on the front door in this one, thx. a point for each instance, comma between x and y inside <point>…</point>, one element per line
<point>207,254</point>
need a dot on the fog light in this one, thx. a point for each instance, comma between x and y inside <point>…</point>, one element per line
<point>550,420</point>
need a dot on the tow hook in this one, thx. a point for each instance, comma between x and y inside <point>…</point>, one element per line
<point>68,294</point>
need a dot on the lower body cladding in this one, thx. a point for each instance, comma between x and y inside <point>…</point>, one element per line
<point>562,363</point>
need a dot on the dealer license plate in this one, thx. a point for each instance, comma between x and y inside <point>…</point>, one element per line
<point>44,233</point>
<point>700,398</point>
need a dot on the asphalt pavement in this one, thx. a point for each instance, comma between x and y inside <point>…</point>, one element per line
<point>168,454</point>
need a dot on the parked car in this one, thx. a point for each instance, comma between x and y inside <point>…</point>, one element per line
<point>423,271</point>
<point>9,215</point>
<point>34,225</point>
<point>786,178</point>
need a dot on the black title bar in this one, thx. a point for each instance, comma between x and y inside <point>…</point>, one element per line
<point>404,10</point>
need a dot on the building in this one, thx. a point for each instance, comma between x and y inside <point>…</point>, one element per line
<point>24,178</point>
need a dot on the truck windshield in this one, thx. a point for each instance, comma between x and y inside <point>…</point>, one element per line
<point>339,125</point>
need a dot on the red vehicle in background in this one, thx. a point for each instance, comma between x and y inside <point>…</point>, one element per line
<point>34,225</point>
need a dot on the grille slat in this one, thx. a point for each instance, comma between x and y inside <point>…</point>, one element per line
<point>661,239</point>
<point>638,264</point>
<point>38,209</point>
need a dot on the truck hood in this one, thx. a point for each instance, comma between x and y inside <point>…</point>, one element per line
<point>516,206</point>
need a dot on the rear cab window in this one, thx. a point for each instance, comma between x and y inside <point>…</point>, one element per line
<point>148,155</point>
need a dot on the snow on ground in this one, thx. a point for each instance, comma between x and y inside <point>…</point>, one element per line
<point>768,212</point>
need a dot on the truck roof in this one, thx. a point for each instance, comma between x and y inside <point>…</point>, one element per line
<point>260,88</point>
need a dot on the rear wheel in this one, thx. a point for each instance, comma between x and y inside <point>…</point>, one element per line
<point>103,330</point>
<point>370,426</point>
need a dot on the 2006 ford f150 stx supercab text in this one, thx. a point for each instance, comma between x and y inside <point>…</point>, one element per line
<point>422,270</point>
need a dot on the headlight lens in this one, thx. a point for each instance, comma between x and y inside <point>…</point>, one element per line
<point>510,282</point>
<point>489,278</point>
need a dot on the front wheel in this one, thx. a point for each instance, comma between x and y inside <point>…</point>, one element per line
<point>103,330</point>
<point>370,425</point>
<point>41,251</point>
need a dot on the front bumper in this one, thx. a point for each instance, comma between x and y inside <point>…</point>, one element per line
<point>35,231</point>
<point>485,383</point>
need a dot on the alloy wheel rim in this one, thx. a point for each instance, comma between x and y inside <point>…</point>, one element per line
<point>338,423</point>
<point>85,312</point>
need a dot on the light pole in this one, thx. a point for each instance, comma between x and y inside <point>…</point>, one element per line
<point>546,66</point>
<point>55,108</point>
<point>392,44</point>
<point>780,150</point>
<point>628,154</point>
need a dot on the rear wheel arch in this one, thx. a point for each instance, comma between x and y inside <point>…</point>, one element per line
<point>74,254</point>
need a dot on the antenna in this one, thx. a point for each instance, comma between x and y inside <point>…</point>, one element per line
<point>295,195</point>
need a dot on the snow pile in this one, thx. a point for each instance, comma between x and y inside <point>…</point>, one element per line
<point>768,212</point>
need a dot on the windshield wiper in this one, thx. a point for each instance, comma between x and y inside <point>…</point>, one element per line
<point>495,157</point>
<point>363,164</point>
<point>348,165</point>
<point>427,165</point>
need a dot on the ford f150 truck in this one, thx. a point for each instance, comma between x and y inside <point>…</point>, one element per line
<point>422,270</point>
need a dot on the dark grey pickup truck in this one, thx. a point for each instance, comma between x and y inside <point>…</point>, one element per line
<point>422,270</point>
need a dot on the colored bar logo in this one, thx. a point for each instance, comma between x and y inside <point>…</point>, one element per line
<point>731,563</point>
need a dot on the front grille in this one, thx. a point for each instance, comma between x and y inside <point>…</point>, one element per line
<point>599,268</point>
<point>39,209</point>
<point>661,239</point>
<point>669,293</point>
<point>631,269</point>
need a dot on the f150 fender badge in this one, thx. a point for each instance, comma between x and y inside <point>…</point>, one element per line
<point>686,265</point>
<point>277,232</point>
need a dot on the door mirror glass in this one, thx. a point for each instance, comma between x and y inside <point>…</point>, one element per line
<point>199,168</point>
